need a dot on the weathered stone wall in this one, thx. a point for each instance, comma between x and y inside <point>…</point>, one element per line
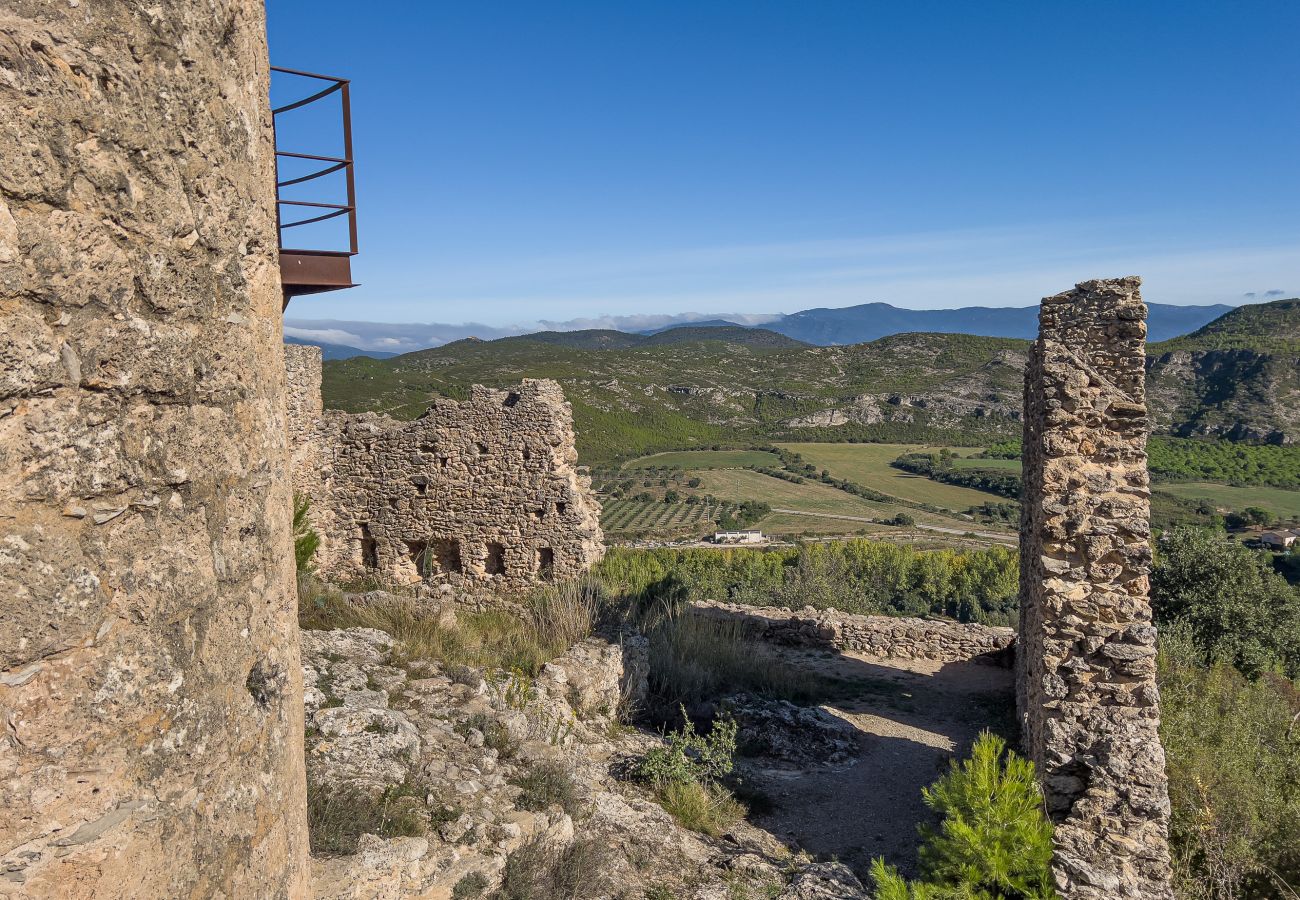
<point>485,491</point>
<point>303,411</point>
<point>1086,656</point>
<point>888,637</point>
<point>150,683</point>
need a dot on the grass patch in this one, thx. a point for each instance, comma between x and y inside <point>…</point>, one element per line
<point>472,885</point>
<point>556,617</point>
<point>693,659</point>
<point>338,816</point>
<point>537,871</point>
<point>548,783</point>
<point>701,806</point>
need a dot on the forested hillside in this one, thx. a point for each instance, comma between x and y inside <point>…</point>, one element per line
<point>1238,377</point>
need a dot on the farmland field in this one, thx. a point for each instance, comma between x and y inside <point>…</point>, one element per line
<point>812,497</point>
<point>869,465</point>
<point>639,517</point>
<point>1280,502</point>
<point>705,459</point>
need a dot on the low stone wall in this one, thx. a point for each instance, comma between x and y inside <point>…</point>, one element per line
<point>887,637</point>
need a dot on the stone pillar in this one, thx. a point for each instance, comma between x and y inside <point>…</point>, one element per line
<point>150,684</point>
<point>1086,656</point>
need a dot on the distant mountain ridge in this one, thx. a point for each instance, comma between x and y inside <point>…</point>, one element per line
<point>1237,377</point>
<point>871,321</point>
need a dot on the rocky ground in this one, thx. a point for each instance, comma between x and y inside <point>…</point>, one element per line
<point>494,774</point>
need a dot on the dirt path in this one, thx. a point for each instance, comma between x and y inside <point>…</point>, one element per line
<point>912,716</point>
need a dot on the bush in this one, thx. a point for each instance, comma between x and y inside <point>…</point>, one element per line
<point>548,783</point>
<point>993,841</point>
<point>538,871</point>
<point>1233,751</point>
<point>691,757</point>
<point>1234,608</point>
<point>472,885</point>
<point>305,539</point>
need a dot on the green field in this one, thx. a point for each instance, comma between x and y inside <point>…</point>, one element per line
<point>869,465</point>
<point>705,459</point>
<point>1285,504</point>
<point>813,497</point>
<point>638,517</point>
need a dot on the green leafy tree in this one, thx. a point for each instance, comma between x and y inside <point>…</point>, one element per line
<point>994,841</point>
<point>1235,608</point>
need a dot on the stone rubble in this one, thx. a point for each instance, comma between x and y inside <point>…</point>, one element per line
<point>466,736</point>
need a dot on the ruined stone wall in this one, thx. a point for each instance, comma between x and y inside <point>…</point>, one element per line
<point>1086,652</point>
<point>150,683</point>
<point>485,491</point>
<point>887,637</point>
<point>303,411</point>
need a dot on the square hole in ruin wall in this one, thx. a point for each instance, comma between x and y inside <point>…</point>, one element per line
<point>494,562</point>
<point>546,562</point>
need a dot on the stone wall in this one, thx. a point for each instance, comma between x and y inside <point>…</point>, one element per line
<point>150,682</point>
<point>887,637</point>
<point>485,491</point>
<point>1086,658</point>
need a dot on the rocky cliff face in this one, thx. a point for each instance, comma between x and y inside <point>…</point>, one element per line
<point>150,682</point>
<point>1239,394</point>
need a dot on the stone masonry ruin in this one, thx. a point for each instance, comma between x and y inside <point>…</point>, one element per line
<point>150,680</point>
<point>1086,654</point>
<point>485,491</point>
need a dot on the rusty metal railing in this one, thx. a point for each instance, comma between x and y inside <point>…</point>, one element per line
<point>333,164</point>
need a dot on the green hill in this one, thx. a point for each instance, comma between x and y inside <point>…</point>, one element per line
<point>1238,377</point>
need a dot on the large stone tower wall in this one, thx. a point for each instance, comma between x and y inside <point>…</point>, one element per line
<point>150,683</point>
<point>1086,654</point>
<point>487,491</point>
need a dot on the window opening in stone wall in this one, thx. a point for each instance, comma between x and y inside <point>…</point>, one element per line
<point>561,507</point>
<point>546,562</point>
<point>527,454</point>
<point>421,557</point>
<point>495,564</point>
<point>443,461</point>
<point>446,555</point>
<point>511,398</point>
<point>482,448</point>
<point>369,550</point>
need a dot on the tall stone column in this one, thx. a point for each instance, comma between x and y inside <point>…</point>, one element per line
<point>1086,655</point>
<point>150,684</point>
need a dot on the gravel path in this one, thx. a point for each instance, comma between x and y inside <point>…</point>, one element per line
<point>912,716</point>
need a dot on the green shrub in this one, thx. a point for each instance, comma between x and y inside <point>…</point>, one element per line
<point>993,841</point>
<point>1233,752</point>
<point>691,757</point>
<point>305,539</point>
<point>1234,608</point>
<point>472,885</point>
<point>538,871</point>
<point>545,784</point>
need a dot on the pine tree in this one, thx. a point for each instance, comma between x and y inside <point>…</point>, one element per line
<point>994,841</point>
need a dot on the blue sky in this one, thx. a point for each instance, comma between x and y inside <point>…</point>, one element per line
<point>529,162</point>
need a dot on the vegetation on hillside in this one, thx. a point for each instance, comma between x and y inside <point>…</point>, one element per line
<point>1229,659</point>
<point>858,576</point>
